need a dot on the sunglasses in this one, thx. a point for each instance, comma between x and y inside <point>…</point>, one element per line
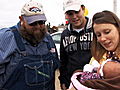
<point>37,22</point>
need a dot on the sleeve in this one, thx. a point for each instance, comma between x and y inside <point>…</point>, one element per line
<point>7,45</point>
<point>63,62</point>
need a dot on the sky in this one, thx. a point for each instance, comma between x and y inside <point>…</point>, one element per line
<point>10,10</point>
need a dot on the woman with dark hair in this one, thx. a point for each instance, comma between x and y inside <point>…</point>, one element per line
<point>105,50</point>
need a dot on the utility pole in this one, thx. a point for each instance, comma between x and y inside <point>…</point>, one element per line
<point>115,6</point>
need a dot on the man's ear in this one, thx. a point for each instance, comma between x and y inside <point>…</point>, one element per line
<point>83,7</point>
<point>21,20</point>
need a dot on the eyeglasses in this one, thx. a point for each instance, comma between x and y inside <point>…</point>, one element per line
<point>37,22</point>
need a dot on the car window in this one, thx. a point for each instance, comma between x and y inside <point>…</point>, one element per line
<point>56,37</point>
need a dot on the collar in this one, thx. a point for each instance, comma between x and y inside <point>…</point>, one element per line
<point>86,27</point>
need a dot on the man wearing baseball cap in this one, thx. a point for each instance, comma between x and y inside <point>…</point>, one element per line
<point>28,57</point>
<point>32,12</point>
<point>75,41</point>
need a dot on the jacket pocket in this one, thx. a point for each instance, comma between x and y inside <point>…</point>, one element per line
<point>38,73</point>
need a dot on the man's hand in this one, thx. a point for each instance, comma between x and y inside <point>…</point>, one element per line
<point>111,69</point>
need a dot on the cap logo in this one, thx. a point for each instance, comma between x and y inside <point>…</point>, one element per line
<point>34,9</point>
<point>69,2</point>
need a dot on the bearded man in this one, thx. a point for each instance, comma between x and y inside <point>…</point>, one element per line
<point>28,56</point>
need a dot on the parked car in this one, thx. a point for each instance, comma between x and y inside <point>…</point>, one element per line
<point>56,37</point>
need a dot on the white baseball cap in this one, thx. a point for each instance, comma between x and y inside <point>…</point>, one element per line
<point>33,11</point>
<point>71,5</point>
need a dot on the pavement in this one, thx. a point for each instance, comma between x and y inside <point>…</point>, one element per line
<point>57,83</point>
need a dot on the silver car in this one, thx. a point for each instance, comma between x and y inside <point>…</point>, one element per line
<point>56,37</point>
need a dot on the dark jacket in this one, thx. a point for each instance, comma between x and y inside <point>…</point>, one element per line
<point>74,51</point>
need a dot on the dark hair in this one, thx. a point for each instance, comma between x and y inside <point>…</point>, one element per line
<point>104,17</point>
